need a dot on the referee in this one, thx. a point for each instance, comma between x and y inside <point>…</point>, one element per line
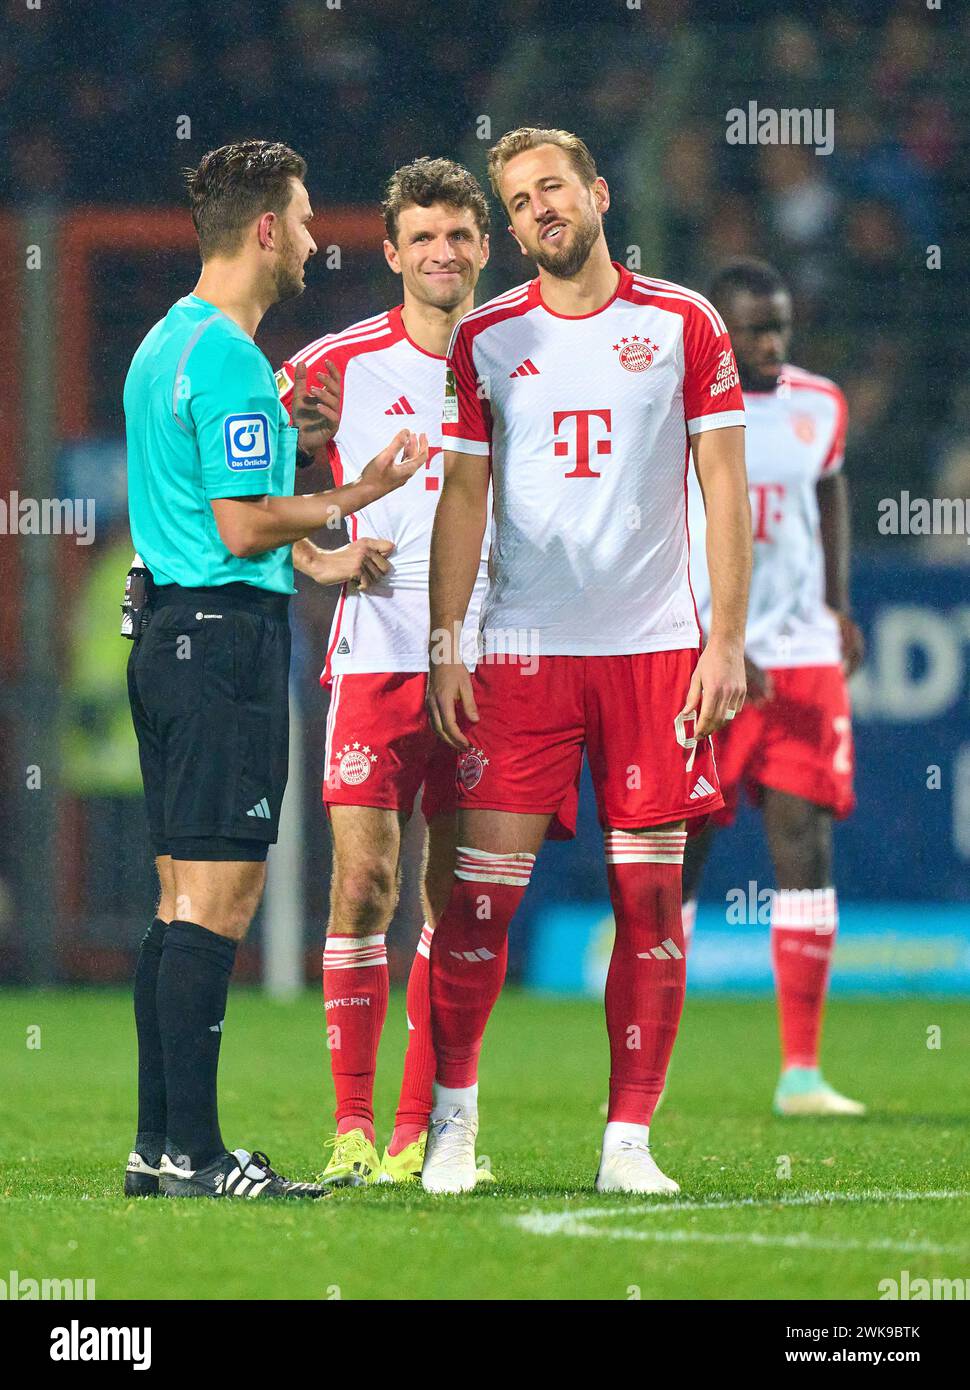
<point>211,460</point>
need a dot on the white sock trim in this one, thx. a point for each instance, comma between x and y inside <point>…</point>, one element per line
<point>482,866</point>
<point>353,952</point>
<point>447,1097</point>
<point>644,846</point>
<point>618,1130</point>
<point>805,909</point>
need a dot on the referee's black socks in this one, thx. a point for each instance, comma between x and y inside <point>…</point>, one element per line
<point>151,1072</point>
<point>190,999</point>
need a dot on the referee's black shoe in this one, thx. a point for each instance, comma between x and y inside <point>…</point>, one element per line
<point>236,1174</point>
<point>141,1174</point>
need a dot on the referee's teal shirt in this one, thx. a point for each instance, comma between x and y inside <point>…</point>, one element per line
<point>203,420</point>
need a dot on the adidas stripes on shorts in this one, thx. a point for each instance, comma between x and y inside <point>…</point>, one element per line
<point>208,687</point>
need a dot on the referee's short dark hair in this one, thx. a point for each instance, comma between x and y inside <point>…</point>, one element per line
<point>235,184</point>
<point>745,273</point>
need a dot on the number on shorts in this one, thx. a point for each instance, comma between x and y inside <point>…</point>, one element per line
<point>685,739</point>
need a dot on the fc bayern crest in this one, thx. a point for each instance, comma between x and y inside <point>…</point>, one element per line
<point>354,764</point>
<point>636,353</point>
<point>471,765</point>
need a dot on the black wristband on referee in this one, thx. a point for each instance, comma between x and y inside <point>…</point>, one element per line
<point>304,459</point>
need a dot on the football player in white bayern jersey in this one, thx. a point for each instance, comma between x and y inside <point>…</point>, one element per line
<point>380,750</point>
<point>791,748</point>
<point>581,396</point>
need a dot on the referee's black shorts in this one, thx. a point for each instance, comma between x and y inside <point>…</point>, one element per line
<point>208,687</point>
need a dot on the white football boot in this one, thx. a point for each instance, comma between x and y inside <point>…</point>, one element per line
<point>631,1167</point>
<point>449,1159</point>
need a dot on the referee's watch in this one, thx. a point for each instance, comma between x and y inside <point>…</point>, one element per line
<point>304,458</point>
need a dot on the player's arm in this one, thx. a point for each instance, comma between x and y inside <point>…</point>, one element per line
<point>719,678</point>
<point>234,394</point>
<point>834,525</point>
<point>456,547</point>
<point>362,561</point>
<point>251,525</point>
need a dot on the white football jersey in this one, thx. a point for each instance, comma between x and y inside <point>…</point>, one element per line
<point>795,436</point>
<point>587,422</point>
<point>389,383</point>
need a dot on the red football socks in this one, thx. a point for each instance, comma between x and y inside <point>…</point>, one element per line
<point>804,923</point>
<point>414,1102</point>
<point>355,992</point>
<point>469,954</point>
<point>647,975</point>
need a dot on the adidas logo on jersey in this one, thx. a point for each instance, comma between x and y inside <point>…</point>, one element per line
<point>343,647</point>
<point>702,788</point>
<point>526,368</point>
<point>402,406</point>
<point>260,810</point>
<point>667,950</point>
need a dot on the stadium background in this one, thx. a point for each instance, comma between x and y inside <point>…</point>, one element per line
<point>95,243</point>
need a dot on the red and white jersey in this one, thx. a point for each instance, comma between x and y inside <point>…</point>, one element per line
<point>795,436</point>
<point>389,383</point>
<point>586,421</point>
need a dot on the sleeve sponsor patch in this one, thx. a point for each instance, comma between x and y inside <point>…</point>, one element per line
<point>727,373</point>
<point>247,442</point>
<point>283,382</point>
<point>449,414</point>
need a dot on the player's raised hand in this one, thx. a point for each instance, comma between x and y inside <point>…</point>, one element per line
<point>315,410</point>
<point>450,685</point>
<point>385,472</point>
<point>717,687</point>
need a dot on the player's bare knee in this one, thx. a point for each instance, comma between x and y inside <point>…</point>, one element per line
<point>362,898</point>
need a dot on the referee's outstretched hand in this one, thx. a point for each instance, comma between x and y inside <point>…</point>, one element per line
<point>386,471</point>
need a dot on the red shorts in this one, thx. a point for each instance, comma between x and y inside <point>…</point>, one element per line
<point>528,744</point>
<point>800,742</point>
<point>381,749</point>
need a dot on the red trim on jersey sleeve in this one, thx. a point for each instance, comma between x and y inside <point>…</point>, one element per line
<point>467,418</point>
<point>712,386</point>
<point>797,379</point>
<point>832,463</point>
<point>466,425</point>
<point>370,335</point>
<point>336,463</point>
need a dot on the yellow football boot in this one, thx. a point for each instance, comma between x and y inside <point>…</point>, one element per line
<point>354,1161</point>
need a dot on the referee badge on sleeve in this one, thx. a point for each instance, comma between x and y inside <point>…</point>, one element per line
<point>247,442</point>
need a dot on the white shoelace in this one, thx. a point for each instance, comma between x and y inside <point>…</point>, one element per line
<point>454,1138</point>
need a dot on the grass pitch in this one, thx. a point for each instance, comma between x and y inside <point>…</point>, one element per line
<point>773,1209</point>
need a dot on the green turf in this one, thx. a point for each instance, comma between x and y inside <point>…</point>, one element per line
<point>66,1126</point>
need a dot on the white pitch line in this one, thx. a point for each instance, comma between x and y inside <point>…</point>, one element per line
<point>582,1222</point>
<point>801,1199</point>
<point>535,1223</point>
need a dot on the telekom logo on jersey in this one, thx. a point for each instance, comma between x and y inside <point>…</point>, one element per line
<point>584,435</point>
<point>765,510</point>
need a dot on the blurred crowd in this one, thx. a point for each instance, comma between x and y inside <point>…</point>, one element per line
<point>95,96</point>
<point>92,95</point>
